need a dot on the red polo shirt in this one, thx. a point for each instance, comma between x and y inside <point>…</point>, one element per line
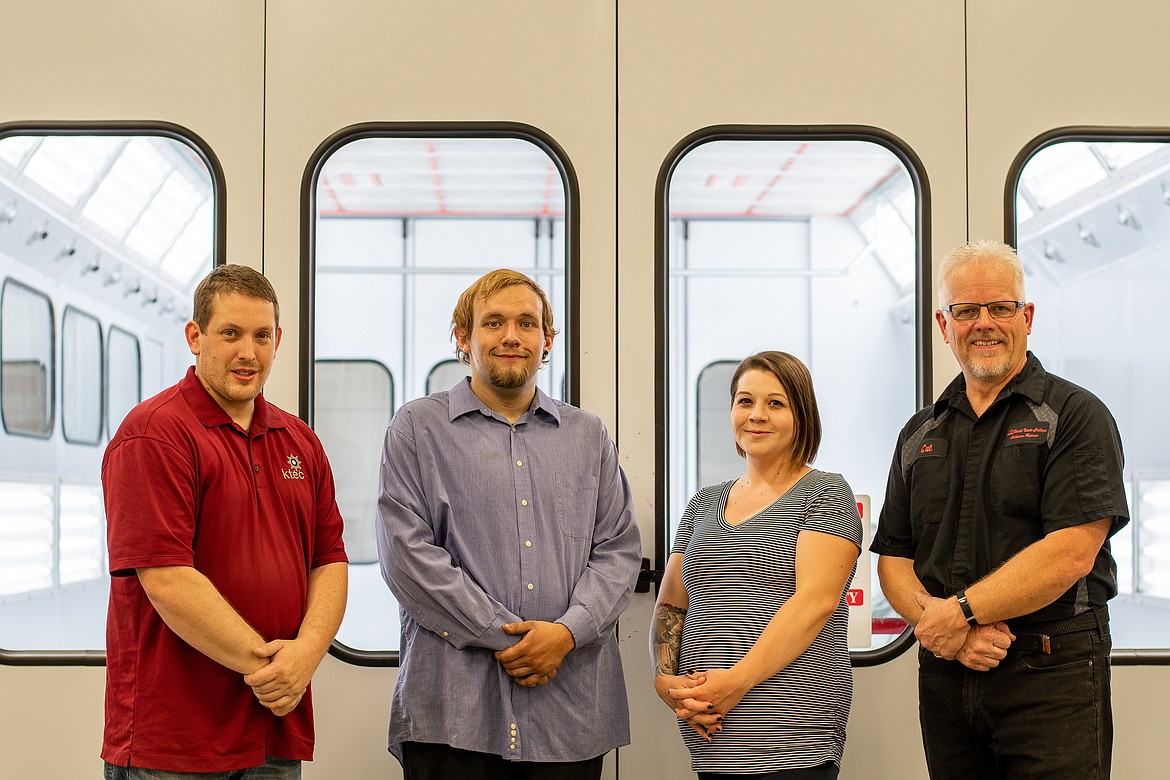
<point>254,512</point>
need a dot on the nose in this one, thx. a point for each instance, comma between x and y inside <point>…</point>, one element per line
<point>247,349</point>
<point>511,334</point>
<point>759,412</point>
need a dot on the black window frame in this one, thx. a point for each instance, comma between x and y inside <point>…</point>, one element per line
<point>366,130</point>
<point>200,147</point>
<point>923,309</point>
<point>1084,134</point>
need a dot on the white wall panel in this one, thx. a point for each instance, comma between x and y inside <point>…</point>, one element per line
<point>197,65</point>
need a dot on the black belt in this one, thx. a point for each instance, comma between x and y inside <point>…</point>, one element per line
<point>1037,637</point>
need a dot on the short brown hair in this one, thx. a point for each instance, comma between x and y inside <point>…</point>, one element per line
<point>231,278</point>
<point>797,382</point>
<point>485,287</point>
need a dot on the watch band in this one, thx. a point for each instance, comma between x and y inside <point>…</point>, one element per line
<point>967,612</point>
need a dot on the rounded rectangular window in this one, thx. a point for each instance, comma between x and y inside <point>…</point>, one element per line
<point>26,360</point>
<point>124,368</point>
<point>808,244</point>
<point>81,373</point>
<point>403,222</point>
<point>1091,223</point>
<point>105,229</point>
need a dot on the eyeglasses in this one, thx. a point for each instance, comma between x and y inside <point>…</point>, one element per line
<point>999,310</point>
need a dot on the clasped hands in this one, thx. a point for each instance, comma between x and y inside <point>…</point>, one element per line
<point>281,684</point>
<point>943,630</point>
<point>702,699</point>
<point>534,660</point>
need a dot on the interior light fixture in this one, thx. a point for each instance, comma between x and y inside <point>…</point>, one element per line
<point>1127,218</point>
<point>68,250</point>
<point>8,211</point>
<point>1052,252</point>
<point>1086,234</point>
<point>39,233</point>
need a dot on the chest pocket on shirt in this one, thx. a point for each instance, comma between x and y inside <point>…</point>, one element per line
<point>929,473</point>
<point>576,504</point>
<point>1015,482</point>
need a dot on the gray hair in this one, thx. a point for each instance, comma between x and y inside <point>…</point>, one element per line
<point>981,251</point>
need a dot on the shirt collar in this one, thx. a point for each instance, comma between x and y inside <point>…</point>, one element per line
<point>1030,383</point>
<point>213,415</point>
<point>461,400</point>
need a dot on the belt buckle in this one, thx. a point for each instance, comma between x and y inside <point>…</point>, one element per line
<point>1046,644</point>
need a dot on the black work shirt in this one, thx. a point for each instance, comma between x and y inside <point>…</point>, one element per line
<point>967,492</point>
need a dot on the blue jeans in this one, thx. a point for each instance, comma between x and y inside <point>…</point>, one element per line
<point>272,769</point>
<point>1036,716</point>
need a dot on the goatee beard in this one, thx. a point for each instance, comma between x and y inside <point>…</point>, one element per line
<point>509,380</point>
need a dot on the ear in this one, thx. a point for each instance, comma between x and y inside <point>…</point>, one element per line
<point>548,342</point>
<point>193,336</point>
<point>462,341</point>
<point>276,342</point>
<point>941,319</point>
<point>1029,313</point>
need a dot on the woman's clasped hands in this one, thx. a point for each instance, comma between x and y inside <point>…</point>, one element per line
<point>702,699</point>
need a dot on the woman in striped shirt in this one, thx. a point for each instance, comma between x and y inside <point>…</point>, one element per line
<point>749,633</point>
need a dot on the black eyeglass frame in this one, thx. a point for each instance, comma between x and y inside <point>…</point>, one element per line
<point>988,305</point>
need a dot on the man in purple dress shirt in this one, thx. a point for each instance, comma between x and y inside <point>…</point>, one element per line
<point>507,533</point>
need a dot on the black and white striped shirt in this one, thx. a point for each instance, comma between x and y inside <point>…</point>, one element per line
<point>737,577</point>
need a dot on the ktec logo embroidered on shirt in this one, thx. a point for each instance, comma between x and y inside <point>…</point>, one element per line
<point>294,470</point>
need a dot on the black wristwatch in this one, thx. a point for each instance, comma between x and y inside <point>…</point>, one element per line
<point>963,605</point>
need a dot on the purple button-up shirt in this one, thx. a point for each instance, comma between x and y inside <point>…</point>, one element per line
<point>484,522</point>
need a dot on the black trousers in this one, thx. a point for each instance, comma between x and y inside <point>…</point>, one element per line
<point>1036,716</point>
<point>826,771</point>
<point>426,761</point>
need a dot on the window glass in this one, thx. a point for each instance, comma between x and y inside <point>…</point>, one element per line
<point>1102,233</point>
<point>125,371</point>
<point>103,235</point>
<point>445,374</point>
<point>355,401</point>
<point>805,245</point>
<point>81,373</point>
<point>26,356</point>
<point>403,224</point>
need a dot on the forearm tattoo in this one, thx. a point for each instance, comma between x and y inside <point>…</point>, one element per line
<point>666,638</point>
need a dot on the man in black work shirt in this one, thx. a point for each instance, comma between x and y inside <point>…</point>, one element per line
<point>993,544</point>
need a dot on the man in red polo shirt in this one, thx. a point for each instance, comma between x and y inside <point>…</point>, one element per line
<point>229,575</point>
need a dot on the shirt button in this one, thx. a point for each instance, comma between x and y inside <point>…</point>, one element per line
<point>527,542</point>
<point>531,586</point>
<point>524,502</point>
<point>256,469</point>
<point>511,725</point>
<point>519,463</point>
<point>511,747</point>
<point>446,634</point>
<point>513,735</point>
